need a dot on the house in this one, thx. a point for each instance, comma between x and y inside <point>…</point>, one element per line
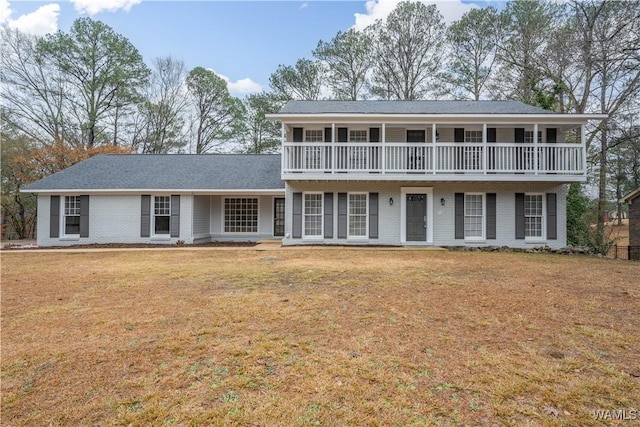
<point>633,199</point>
<point>443,173</point>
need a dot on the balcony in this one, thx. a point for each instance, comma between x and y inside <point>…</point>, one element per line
<point>434,162</point>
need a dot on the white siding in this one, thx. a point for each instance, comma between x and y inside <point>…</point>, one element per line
<point>443,216</point>
<point>201,218</point>
<point>112,219</point>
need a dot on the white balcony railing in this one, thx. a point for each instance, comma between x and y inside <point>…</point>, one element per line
<point>438,159</point>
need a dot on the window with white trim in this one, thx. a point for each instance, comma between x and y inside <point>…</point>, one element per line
<point>313,155</point>
<point>357,136</point>
<point>313,214</point>
<point>241,215</point>
<point>472,136</point>
<point>528,136</point>
<point>161,214</point>
<point>314,135</point>
<point>357,215</point>
<point>71,215</point>
<point>473,216</point>
<point>533,216</point>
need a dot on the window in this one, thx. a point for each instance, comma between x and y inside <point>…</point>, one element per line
<point>357,136</point>
<point>415,136</point>
<point>533,216</point>
<point>161,214</point>
<point>357,215</point>
<point>313,154</point>
<point>314,135</point>
<point>528,136</point>
<point>313,215</point>
<point>72,215</point>
<point>241,215</point>
<point>473,216</point>
<point>472,136</point>
<point>472,155</point>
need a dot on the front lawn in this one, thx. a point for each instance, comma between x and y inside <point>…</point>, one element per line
<point>317,337</point>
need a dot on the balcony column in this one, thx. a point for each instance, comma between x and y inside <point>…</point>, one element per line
<point>484,148</point>
<point>383,139</point>
<point>583,141</point>
<point>434,155</point>
<point>284,149</point>
<point>333,148</point>
<point>535,148</point>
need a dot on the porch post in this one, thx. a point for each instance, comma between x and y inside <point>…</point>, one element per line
<point>484,148</point>
<point>284,149</point>
<point>333,148</point>
<point>583,141</point>
<point>535,148</point>
<point>434,157</point>
<point>384,147</point>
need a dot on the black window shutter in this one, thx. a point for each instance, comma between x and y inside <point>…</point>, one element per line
<point>328,215</point>
<point>343,135</point>
<point>519,215</point>
<point>297,134</point>
<point>175,216</point>
<point>327,135</point>
<point>145,216</point>
<point>84,216</point>
<point>491,216</point>
<point>459,215</point>
<point>552,217</point>
<point>491,135</point>
<point>374,134</point>
<point>54,217</point>
<point>342,215</point>
<point>552,135</point>
<point>373,215</point>
<point>519,134</point>
<point>458,135</point>
<point>296,231</point>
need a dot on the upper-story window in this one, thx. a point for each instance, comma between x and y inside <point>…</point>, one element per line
<point>314,135</point>
<point>472,136</point>
<point>528,136</point>
<point>357,136</point>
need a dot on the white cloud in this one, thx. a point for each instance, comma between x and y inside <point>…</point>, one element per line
<point>451,10</point>
<point>5,11</point>
<point>93,7</point>
<point>43,20</point>
<point>241,87</point>
<point>304,5</point>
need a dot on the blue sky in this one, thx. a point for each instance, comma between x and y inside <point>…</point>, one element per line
<point>244,41</point>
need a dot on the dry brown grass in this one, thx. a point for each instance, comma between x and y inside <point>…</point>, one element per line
<point>317,337</point>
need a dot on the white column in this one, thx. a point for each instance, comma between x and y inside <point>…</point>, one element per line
<point>333,148</point>
<point>484,148</point>
<point>383,130</point>
<point>435,151</point>
<point>282,141</point>
<point>535,148</point>
<point>583,141</point>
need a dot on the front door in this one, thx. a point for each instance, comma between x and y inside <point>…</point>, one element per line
<point>278,217</point>
<point>416,217</point>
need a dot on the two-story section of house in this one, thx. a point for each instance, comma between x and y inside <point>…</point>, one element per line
<point>443,173</point>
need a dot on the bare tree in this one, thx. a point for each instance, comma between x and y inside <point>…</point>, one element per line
<point>348,58</point>
<point>408,51</point>
<point>160,123</point>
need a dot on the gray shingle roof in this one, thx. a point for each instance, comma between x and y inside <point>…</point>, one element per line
<point>168,171</point>
<point>410,107</point>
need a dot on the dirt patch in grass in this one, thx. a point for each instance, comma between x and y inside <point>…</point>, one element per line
<point>306,337</point>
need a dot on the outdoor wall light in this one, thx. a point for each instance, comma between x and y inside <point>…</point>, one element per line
<point>442,201</point>
<point>390,201</point>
